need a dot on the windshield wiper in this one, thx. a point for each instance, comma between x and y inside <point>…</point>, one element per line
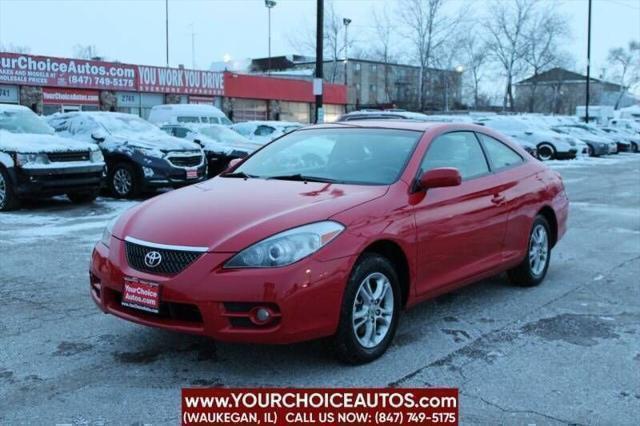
<point>242,175</point>
<point>303,178</point>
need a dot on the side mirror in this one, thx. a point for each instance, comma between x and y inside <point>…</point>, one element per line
<point>233,164</point>
<point>439,178</point>
<point>528,132</point>
<point>198,141</point>
<point>99,135</point>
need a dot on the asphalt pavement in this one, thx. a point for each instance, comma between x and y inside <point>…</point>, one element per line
<point>566,352</point>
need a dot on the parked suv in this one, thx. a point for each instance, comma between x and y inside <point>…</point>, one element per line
<point>35,162</point>
<point>220,144</point>
<point>138,154</point>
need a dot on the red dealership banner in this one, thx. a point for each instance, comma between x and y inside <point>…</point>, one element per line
<point>319,406</point>
<point>180,80</point>
<point>54,96</point>
<point>32,70</point>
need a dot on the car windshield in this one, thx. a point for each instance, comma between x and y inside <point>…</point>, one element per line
<point>17,121</point>
<point>352,156</point>
<point>222,134</point>
<point>124,124</point>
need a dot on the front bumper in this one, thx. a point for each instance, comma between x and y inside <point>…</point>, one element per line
<point>567,155</point>
<point>53,181</point>
<point>207,300</point>
<point>170,176</point>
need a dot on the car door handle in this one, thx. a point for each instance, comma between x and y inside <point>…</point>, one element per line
<point>498,199</point>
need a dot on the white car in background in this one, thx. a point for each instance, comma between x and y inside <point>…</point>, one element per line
<point>187,114</point>
<point>264,132</point>
<point>549,145</point>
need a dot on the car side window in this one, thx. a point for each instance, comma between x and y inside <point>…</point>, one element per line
<point>501,155</point>
<point>264,130</point>
<point>180,132</point>
<point>460,150</point>
<point>81,125</point>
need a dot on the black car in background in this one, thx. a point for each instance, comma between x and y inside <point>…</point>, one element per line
<point>220,143</point>
<point>34,162</point>
<point>138,154</point>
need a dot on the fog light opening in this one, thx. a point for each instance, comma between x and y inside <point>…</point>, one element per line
<point>261,315</point>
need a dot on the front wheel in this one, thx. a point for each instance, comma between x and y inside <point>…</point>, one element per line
<point>124,181</point>
<point>533,268</point>
<point>8,199</point>
<point>370,310</point>
<point>546,152</point>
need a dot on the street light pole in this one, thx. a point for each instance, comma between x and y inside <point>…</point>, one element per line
<point>270,4</point>
<point>166,27</point>
<point>588,62</point>
<point>319,58</point>
<point>346,22</point>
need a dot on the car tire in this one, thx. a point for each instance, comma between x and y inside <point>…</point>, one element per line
<point>533,268</point>
<point>546,152</point>
<point>634,147</point>
<point>82,197</point>
<point>366,330</point>
<point>124,181</point>
<point>8,198</point>
<point>590,151</point>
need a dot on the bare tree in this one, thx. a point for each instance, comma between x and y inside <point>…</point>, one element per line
<point>429,26</point>
<point>475,53</point>
<point>13,48</point>
<point>506,25</point>
<point>81,51</point>
<point>544,34</point>
<point>383,48</point>
<point>333,40</point>
<point>626,67</point>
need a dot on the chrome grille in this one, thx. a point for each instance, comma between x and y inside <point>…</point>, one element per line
<point>187,161</point>
<point>56,157</point>
<point>173,261</point>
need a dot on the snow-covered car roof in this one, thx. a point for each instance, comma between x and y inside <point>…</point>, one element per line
<point>13,107</point>
<point>271,123</point>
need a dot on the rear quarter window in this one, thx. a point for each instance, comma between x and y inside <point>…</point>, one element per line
<point>500,155</point>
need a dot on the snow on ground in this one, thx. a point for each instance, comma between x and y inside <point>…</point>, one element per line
<point>63,221</point>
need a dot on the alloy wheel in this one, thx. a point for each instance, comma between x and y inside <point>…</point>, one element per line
<point>373,310</point>
<point>122,181</point>
<point>538,250</point>
<point>545,153</point>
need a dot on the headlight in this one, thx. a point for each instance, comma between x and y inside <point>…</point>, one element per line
<point>287,247</point>
<point>96,156</point>
<point>108,230</point>
<point>23,159</point>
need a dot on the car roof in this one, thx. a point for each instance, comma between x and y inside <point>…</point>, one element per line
<point>11,107</point>
<point>420,126</point>
<point>270,123</point>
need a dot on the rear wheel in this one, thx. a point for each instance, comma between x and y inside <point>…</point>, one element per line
<point>124,181</point>
<point>634,147</point>
<point>546,152</point>
<point>81,197</point>
<point>8,198</point>
<point>370,310</point>
<point>590,151</point>
<point>533,268</point>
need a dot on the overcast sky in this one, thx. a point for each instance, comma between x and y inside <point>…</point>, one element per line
<point>133,31</point>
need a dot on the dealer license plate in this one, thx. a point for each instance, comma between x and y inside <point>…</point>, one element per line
<point>192,173</point>
<point>142,295</point>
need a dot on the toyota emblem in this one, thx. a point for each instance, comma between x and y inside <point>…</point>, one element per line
<point>152,259</point>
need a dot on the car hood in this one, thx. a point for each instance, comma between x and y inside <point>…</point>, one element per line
<point>40,143</point>
<point>222,215</point>
<point>162,141</point>
<point>211,145</point>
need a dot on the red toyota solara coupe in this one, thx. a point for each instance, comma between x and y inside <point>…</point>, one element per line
<point>333,230</point>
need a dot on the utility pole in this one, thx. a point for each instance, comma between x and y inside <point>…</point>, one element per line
<point>319,60</point>
<point>588,62</point>
<point>346,22</point>
<point>193,46</point>
<point>270,4</point>
<point>166,27</point>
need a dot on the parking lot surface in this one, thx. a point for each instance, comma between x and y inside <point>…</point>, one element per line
<point>566,352</point>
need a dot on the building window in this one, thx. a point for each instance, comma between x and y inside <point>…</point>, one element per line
<point>357,67</point>
<point>373,68</point>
